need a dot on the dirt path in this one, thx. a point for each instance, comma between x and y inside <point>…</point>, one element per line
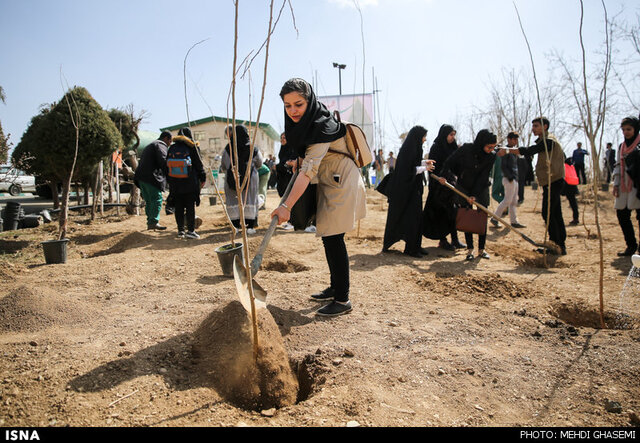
<point>109,338</point>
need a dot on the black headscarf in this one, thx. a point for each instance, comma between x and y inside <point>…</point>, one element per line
<point>317,125</point>
<point>186,132</point>
<point>244,143</point>
<point>244,149</point>
<point>484,138</point>
<point>410,154</point>
<point>441,149</point>
<point>404,180</point>
<point>443,133</point>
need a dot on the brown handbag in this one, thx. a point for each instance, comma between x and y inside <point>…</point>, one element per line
<point>471,220</point>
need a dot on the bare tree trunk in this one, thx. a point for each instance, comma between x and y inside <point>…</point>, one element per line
<point>54,194</point>
<point>86,192</point>
<point>96,184</point>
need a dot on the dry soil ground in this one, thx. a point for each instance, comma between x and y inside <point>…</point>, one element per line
<point>123,333</point>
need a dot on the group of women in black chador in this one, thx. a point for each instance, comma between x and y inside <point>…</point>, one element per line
<point>468,167</point>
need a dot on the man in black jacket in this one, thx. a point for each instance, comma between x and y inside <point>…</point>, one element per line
<point>151,178</point>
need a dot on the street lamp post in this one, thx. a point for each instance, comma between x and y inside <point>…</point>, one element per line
<point>340,68</point>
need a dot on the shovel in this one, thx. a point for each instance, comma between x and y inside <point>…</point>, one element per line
<point>240,273</point>
<point>545,246</point>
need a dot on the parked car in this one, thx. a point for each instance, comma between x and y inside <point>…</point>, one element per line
<point>16,181</point>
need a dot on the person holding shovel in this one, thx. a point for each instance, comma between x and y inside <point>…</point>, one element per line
<point>551,176</point>
<point>469,168</point>
<point>318,139</point>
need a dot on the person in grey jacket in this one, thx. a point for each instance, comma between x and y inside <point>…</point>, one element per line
<point>151,178</point>
<point>509,167</point>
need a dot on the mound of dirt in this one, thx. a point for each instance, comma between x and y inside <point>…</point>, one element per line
<point>24,310</point>
<point>223,346</point>
<point>285,266</point>
<point>491,285</point>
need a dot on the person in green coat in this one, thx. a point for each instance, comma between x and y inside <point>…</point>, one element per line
<point>263,181</point>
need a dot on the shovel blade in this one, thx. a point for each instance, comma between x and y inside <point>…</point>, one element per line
<point>242,286</point>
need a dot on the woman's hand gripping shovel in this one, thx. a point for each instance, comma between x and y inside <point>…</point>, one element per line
<point>240,273</point>
<point>548,246</point>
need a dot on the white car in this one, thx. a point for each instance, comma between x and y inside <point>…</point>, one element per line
<point>16,181</point>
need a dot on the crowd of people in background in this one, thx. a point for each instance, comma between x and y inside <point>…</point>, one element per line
<point>327,188</point>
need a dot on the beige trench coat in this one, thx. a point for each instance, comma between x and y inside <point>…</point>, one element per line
<point>341,194</point>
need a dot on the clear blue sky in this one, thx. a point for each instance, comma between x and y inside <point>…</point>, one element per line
<point>433,58</point>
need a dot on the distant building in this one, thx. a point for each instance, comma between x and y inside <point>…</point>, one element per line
<point>210,134</point>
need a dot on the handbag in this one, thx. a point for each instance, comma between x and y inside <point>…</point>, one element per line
<point>471,220</point>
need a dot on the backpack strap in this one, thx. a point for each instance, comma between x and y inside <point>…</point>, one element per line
<point>342,153</point>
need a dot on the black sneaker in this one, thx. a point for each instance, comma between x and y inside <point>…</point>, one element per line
<point>326,295</point>
<point>517,225</point>
<point>334,309</point>
<point>627,252</point>
<point>495,223</point>
<point>156,227</point>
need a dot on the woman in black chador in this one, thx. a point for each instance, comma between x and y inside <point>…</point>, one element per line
<point>469,168</point>
<point>438,217</point>
<point>404,191</point>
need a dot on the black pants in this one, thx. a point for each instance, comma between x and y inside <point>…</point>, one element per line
<point>557,231</point>
<point>580,171</point>
<point>482,240</point>
<point>521,185</point>
<point>573,202</point>
<point>338,260</point>
<point>624,218</point>
<point>185,203</point>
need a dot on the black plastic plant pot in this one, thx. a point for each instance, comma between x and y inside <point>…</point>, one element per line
<point>55,251</point>
<point>225,256</point>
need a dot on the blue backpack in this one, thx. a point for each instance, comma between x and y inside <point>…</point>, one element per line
<point>179,163</point>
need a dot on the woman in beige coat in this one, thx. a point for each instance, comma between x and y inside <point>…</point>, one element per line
<point>319,141</point>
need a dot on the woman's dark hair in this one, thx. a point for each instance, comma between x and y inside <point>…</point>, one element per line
<point>484,138</point>
<point>296,85</point>
<point>631,121</point>
<point>185,132</point>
